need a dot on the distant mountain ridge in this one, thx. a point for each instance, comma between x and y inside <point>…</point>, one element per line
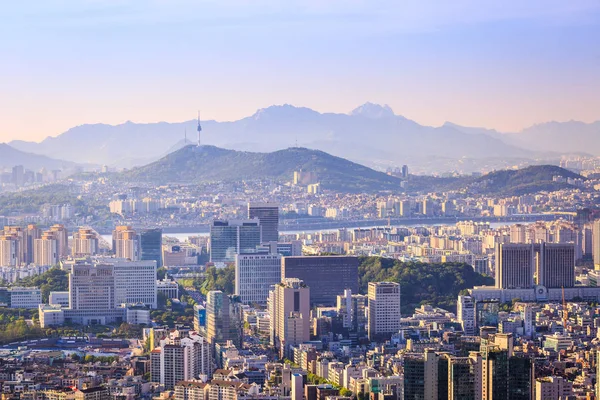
<point>370,134</point>
<point>10,157</point>
<point>193,164</point>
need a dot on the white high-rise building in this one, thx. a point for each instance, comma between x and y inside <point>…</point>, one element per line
<point>353,310</point>
<point>465,313</point>
<point>384,309</point>
<point>85,243</point>
<point>45,250</point>
<point>135,281</point>
<point>254,276</point>
<point>180,359</point>
<point>9,251</point>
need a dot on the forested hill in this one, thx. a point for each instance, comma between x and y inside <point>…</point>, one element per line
<point>436,284</point>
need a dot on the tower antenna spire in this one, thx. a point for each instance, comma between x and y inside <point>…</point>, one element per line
<point>199,128</point>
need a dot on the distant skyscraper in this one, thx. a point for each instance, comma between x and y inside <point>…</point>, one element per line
<point>199,128</point>
<point>32,232</point>
<point>46,249</point>
<point>518,234</point>
<point>254,276</point>
<point>327,276</point>
<point>465,312</point>
<point>268,215</point>
<point>384,309</point>
<point>85,243</point>
<point>18,175</point>
<point>9,251</point>
<point>405,171</point>
<point>62,236</point>
<point>228,238</point>
<point>222,319</point>
<point>290,315</point>
<point>126,243</point>
<point>151,245</point>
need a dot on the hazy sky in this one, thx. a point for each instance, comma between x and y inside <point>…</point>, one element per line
<point>503,64</point>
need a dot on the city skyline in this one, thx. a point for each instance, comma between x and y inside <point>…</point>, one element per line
<point>502,66</point>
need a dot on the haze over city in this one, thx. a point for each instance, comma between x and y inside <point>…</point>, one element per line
<point>300,200</point>
<point>498,64</point>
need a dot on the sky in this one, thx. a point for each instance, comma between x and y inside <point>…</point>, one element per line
<point>503,64</point>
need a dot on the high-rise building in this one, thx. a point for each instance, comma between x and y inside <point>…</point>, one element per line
<point>384,309</point>
<point>268,215</point>
<point>9,250</point>
<point>228,238</point>
<point>555,264</point>
<point>180,357</point>
<point>464,378</point>
<point>18,234</point>
<point>353,310</point>
<point>515,265</point>
<point>135,281</point>
<point>254,276</point>
<point>223,319</point>
<point>31,233</point>
<point>62,237</point>
<point>92,293</point>
<point>520,266</point>
<point>465,313</point>
<point>151,245</point>
<point>426,375</point>
<point>126,243</point>
<point>326,276</point>
<point>504,375</point>
<point>289,309</point>
<point>518,234</point>
<point>18,175</point>
<point>85,243</point>
<point>45,251</point>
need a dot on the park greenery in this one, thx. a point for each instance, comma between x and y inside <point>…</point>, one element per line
<point>53,280</point>
<point>437,284</point>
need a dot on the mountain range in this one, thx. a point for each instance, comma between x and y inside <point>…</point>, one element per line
<point>371,134</point>
<point>9,157</point>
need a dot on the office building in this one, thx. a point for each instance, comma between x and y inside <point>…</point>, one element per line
<point>553,387</point>
<point>199,318</point>
<point>51,315</point>
<point>59,298</point>
<point>126,243</point>
<point>464,377</point>
<point>515,266</point>
<point>180,357</point>
<point>465,313</point>
<point>327,276</point>
<point>25,297</point>
<point>555,264</point>
<point>151,245</point>
<point>518,234</point>
<point>289,309</point>
<point>521,266</point>
<point>228,238</point>
<point>92,295</point>
<point>504,375</point>
<point>223,319</point>
<point>353,310</point>
<point>426,376</point>
<point>254,276</point>
<point>18,235</point>
<point>135,281</point>
<point>45,250</point>
<point>384,309</point>
<point>268,215</point>
<point>169,289</point>
<point>85,243</point>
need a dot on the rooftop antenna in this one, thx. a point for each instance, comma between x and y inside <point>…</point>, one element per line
<point>199,128</point>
